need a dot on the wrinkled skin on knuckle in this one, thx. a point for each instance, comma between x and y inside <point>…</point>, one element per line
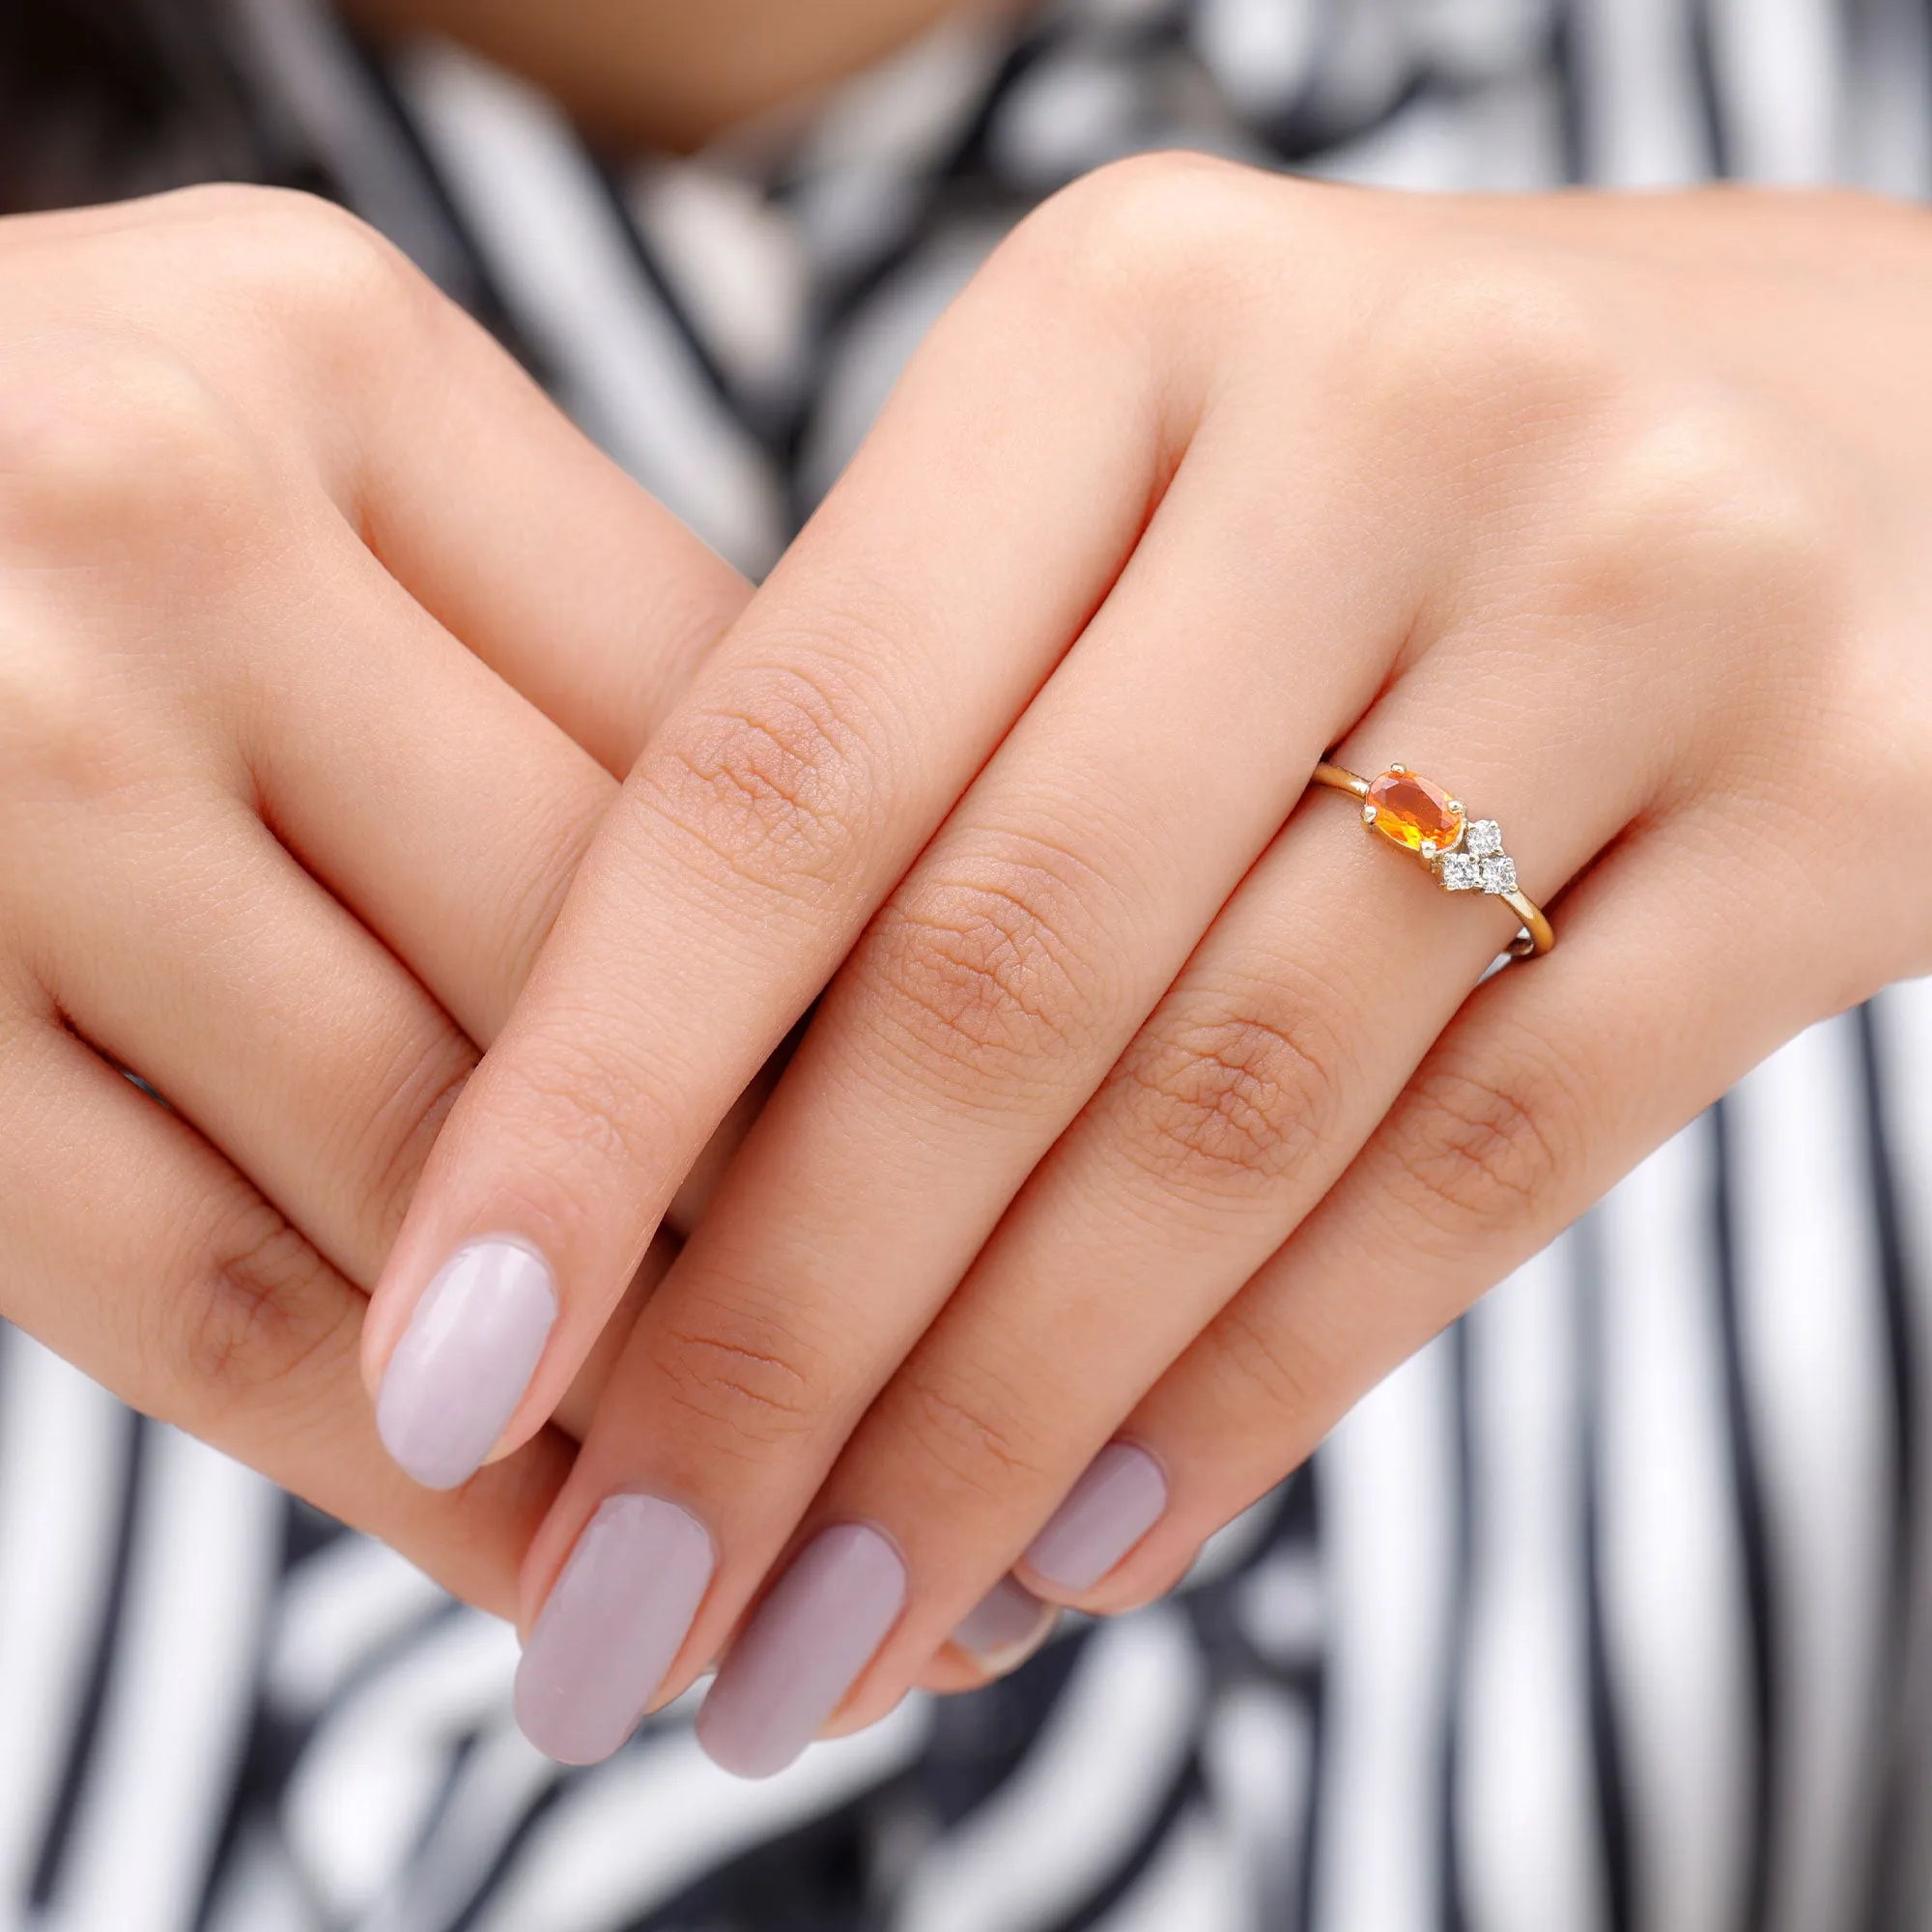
<point>983,973</point>
<point>575,1120</point>
<point>749,1376</point>
<point>1474,1147</point>
<point>1257,1366</point>
<point>255,1305</point>
<point>1223,1099</point>
<point>963,1425</point>
<point>776,780</point>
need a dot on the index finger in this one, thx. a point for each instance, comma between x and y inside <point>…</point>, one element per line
<point>810,760</point>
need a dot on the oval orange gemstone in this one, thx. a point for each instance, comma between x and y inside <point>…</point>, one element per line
<point>1411,812</point>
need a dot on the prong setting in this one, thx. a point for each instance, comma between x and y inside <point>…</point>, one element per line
<point>1463,854</point>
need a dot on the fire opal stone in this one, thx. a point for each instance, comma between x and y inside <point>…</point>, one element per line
<point>1411,812</point>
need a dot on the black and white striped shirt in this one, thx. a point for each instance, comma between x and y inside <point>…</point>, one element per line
<point>1612,1609</point>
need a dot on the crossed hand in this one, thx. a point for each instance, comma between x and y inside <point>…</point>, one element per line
<point>452,846</point>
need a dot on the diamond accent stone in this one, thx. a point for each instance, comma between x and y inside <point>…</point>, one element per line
<point>1484,837</point>
<point>1460,874</point>
<point>1499,873</point>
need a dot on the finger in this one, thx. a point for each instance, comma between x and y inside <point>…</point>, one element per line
<point>1553,1083</point>
<point>524,540</point>
<point>813,755</point>
<point>1265,1067</point>
<point>191,950</point>
<point>581,1401</point>
<point>578,1409</point>
<point>196,1301</point>
<point>433,800</point>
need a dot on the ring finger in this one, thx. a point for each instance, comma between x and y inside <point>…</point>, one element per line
<point>1545,1090</point>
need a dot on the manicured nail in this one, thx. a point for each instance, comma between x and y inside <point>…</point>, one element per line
<point>1107,1512</point>
<point>1005,1627</point>
<point>615,1619</point>
<point>466,1359</point>
<point>802,1651</point>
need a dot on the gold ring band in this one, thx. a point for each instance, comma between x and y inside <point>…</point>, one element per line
<point>1466,854</point>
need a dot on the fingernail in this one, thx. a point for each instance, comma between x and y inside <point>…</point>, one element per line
<point>1005,1627</point>
<point>802,1651</point>
<point>615,1619</point>
<point>1113,1505</point>
<point>466,1359</point>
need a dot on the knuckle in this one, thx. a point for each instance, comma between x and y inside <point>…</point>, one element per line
<point>1701,509</point>
<point>1140,225</point>
<point>116,448</point>
<point>1474,1146</point>
<point>780,783</point>
<point>311,264</point>
<point>578,1110</point>
<point>748,1376</point>
<point>968,1429</point>
<point>69,733</point>
<point>257,1304</point>
<point>1222,1099</point>
<point>1111,216</point>
<point>1482,343</point>
<point>984,968</point>
<point>1257,1366</point>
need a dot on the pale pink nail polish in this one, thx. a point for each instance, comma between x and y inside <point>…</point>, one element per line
<point>614,1621</point>
<point>802,1651</point>
<point>1113,1505</point>
<point>1005,1627</point>
<point>466,1359</point>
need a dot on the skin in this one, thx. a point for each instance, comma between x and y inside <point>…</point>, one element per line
<point>1150,1100</point>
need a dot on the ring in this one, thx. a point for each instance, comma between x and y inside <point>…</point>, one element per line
<point>1465,854</point>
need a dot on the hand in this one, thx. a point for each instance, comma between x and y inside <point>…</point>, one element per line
<point>321,637</point>
<point>1157,1111</point>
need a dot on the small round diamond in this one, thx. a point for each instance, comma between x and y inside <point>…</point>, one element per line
<point>1499,873</point>
<point>1484,837</point>
<point>1460,874</point>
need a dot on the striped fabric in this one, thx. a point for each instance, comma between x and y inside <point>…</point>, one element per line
<point>1612,1609</point>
